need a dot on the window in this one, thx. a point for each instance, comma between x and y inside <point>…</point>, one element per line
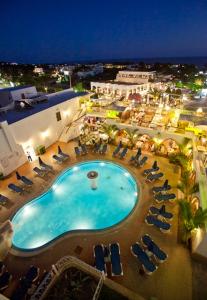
<point>58,116</point>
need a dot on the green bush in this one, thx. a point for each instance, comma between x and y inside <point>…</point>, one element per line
<point>1,175</point>
<point>40,150</point>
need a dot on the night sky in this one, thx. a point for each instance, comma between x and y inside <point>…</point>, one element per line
<point>65,30</point>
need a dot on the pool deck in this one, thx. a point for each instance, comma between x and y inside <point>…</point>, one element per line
<point>173,278</point>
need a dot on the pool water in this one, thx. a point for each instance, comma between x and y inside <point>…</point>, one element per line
<point>70,204</point>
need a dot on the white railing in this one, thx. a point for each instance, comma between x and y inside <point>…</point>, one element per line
<point>63,264</point>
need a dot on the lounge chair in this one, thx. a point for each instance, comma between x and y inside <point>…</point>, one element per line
<point>103,150</point>
<point>96,148</point>
<point>123,153</point>
<point>63,155</point>
<point>39,172</point>
<point>154,168</point>
<point>116,266</point>
<point>164,187</point>
<point>84,149</point>
<point>4,280</point>
<point>164,197</point>
<point>24,179</point>
<point>152,220</point>
<point>148,265</point>
<point>15,188</point>
<point>141,162</point>
<point>98,251</point>
<point>137,156</point>
<point>2,268</point>
<point>3,199</point>
<point>153,177</point>
<point>45,166</point>
<point>159,254</point>
<point>77,151</point>
<point>58,159</point>
<point>32,274</point>
<point>116,151</point>
<point>160,211</point>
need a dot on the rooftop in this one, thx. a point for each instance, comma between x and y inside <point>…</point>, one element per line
<point>14,115</point>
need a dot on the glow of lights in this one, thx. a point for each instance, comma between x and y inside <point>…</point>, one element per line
<point>83,225</point>
<point>28,211</point>
<point>75,168</point>
<point>56,188</point>
<point>199,110</point>
<point>126,174</point>
<point>45,134</point>
<point>102,164</point>
<point>39,242</point>
<point>135,193</point>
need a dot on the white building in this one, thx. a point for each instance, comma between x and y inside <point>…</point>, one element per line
<point>22,131</point>
<point>97,69</point>
<point>38,70</point>
<point>119,88</point>
<point>137,77</point>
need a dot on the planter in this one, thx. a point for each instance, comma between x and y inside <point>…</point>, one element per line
<point>40,150</point>
<point>1,176</point>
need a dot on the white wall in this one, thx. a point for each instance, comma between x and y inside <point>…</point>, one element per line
<point>43,128</point>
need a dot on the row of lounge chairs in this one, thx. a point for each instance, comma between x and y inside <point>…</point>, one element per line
<point>101,256</point>
<point>149,257</point>
<point>155,220</point>
<point>118,153</point>
<point>160,211</point>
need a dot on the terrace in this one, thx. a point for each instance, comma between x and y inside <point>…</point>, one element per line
<point>177,268</point>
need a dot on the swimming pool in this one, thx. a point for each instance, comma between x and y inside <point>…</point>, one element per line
<point>71,204</point>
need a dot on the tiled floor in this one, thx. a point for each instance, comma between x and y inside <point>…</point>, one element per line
<point>172,280</point>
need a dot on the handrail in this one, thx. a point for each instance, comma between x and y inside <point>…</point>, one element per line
<point>57,269</point>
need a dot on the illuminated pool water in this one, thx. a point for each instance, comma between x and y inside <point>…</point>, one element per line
<point>70,204</point>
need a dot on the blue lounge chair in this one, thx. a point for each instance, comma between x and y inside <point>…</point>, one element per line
<point>141,162</point>
<point>152,220</point>
<point>24,179</point>
<point>103,150</point>
<point>164,197</point>
<point>32,274</point>
<point>159,254</point>
<point>3,199</point>
<point>4,280</point>
<point>137,156</point>
<point>164,187</point>
<point>58,159</point>
<point>116,266</point>
<point>154,168</point>
<point>77,151</point>
<point>116,151</point>
<point>153,177</point>
<point>63,155</point>
<point>96,148</point>
<point>84,149</point>
<point>123,153</point>
<point>45,166</point>
<point>98,251</point>
<point>148,265</point>
<point>160,211</point>
<point>39,172</point>
<point>15,188</point>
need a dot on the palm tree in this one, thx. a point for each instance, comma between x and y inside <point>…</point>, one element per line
<point>187,185</point>
<point>190,220</point>
<point>132,136</point>
<point>110,130</point>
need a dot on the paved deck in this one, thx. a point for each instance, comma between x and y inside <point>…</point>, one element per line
<point>172,280</point>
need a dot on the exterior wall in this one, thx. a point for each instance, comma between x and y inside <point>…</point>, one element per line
<point>134,76</point>
<point>11,154</point>
<point>116,89</point>
<point>43,128</point>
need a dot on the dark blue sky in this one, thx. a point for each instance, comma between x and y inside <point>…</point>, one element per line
<point>65,30</point>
